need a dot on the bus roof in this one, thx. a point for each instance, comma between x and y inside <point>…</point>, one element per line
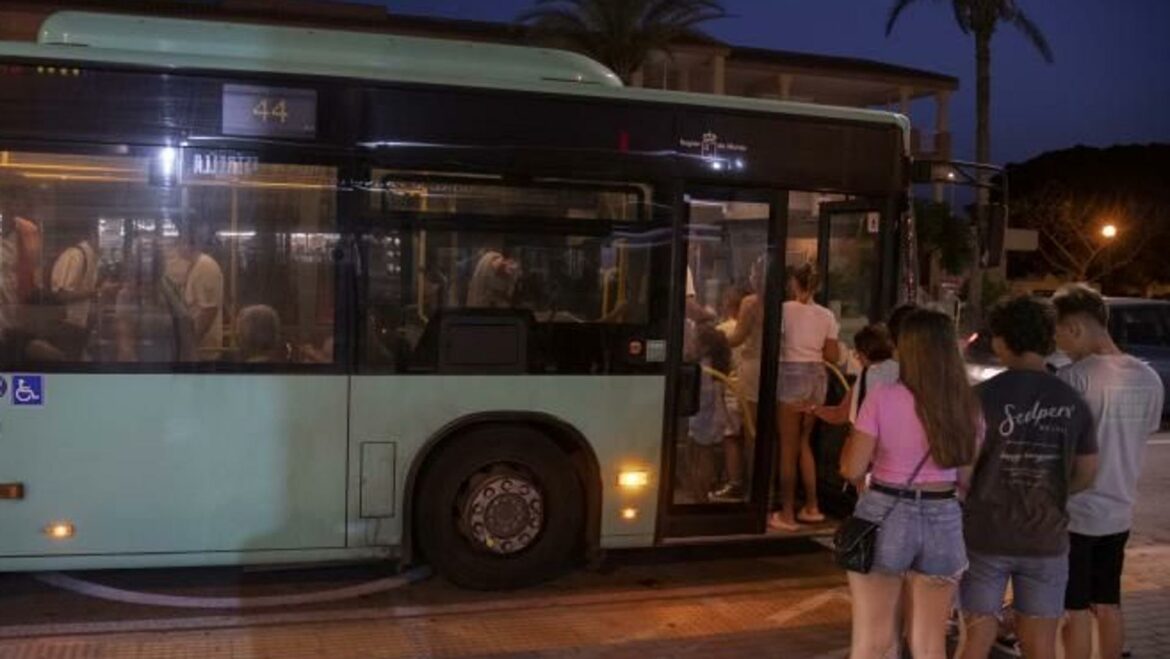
<point>178,44</point>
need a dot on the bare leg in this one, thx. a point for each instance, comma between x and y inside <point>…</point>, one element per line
<point>981,629</point>
<point>933,598</point>
<point>808,466</point>
<point>1078,635</point>
<point>1110,630</point>
<point>1038,636</point>
<point>874,614</point>
<point>733,458</point>
<point>789,426</point>
<point>705,470</point>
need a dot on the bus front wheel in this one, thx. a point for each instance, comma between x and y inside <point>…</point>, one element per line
<point>500,507</point>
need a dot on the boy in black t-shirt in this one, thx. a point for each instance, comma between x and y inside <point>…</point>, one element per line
<point>1039,448</point>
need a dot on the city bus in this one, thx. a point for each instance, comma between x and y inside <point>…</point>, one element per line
<point>286,295</point>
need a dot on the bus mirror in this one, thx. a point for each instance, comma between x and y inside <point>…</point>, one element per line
<point>922,171</point>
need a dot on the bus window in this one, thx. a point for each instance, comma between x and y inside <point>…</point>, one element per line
<point>458,259</point>
<point>152,257</point>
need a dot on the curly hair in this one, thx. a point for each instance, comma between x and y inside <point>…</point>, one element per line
<point>1025,324</point>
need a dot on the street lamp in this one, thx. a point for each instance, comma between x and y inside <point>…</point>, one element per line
<point>1109,231</point>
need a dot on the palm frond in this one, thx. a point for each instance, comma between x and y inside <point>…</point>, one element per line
<point>963,11</point>
<point>1032,31</point>
<point>895,12</point>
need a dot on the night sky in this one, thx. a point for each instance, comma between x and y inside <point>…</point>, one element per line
<point>1110,83</point>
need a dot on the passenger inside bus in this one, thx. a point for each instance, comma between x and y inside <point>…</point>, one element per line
<point>493,282</point>
<point>73,289</point>
<point>198,278</point>
<point>259,336</point>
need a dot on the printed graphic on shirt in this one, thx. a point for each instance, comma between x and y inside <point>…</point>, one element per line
<point>1034,441</point>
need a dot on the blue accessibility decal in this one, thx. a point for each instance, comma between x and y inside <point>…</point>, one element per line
<point>28,390</point>
<point>3,386</point>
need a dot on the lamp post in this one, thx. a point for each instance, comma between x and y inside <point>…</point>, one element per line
<point>1109,231</point>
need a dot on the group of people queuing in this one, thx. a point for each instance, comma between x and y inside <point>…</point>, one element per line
<point>1027,479</point>
<point>51,301</point>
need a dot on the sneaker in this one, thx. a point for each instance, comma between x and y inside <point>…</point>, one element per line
<point>729,492</point>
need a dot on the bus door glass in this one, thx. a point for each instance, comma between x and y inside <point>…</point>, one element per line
<point>718,467</point>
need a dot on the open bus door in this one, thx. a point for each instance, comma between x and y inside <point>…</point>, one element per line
<point>853,241</point>
<point>718,419</point>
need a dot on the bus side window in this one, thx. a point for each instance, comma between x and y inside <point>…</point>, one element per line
<point>131,270</point>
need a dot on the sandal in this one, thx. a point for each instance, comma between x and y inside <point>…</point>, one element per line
<point>776,523</point>
<point>810,518</point>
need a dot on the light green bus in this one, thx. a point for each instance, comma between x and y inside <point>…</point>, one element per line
<point>284,295</point>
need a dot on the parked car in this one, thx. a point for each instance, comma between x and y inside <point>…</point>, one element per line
<point>1140,327</point>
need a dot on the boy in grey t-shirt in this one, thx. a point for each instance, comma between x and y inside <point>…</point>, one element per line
<point>1125,398</point>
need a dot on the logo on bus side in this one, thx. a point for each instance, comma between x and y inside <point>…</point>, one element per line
<point>3,386</point>
<point>719,154</point>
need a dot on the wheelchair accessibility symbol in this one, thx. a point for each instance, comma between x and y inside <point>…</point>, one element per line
<point>28,390</point>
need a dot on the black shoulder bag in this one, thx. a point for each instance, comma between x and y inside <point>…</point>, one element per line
<point>855,541</point>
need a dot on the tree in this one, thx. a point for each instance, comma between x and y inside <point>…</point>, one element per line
<point>1070,225</point>
<point>620,34</point>
<point>981,18</point>
<point>1068,196</point>
<point>943,235</point>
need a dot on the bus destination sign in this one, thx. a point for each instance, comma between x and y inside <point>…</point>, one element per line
<point>252,111</point>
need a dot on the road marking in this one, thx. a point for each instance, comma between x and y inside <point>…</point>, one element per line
<point>1159,442</point>
<point>805,606</point>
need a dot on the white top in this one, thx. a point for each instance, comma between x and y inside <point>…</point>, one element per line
<point>204,290</point>
<point>805,330</point>
<point>76,271</point>
<point>1125,396</point>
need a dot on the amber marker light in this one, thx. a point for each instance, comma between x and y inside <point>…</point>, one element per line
<point>633,479</point>
<point>60,530</point>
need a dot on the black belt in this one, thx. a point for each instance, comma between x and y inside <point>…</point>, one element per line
<point>912,494</point>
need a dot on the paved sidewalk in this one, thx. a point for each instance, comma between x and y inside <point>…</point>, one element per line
<point>799,617</point>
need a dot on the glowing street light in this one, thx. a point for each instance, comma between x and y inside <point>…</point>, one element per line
<point>1109,231</point>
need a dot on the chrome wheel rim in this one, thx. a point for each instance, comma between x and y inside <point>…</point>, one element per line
<point>503,513</point>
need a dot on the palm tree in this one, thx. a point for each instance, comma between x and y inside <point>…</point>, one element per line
<point>981,18</point>
<point>620,34</point>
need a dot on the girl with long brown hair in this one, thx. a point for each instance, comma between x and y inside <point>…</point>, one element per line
<point>917,440</point>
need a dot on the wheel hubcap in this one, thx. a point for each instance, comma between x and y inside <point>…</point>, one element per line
<point>504,514</point>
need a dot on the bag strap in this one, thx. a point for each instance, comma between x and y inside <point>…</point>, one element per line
<point>909,482</point>
<point>918,469</point>
<point>861,387</point>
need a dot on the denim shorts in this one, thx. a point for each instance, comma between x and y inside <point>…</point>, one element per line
<point>1038,584</point>
<point>801,382</point>
<point>922,536</point>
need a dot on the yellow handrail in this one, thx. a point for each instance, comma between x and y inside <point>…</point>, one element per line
<point>749,424</point>
<point>840,376</point>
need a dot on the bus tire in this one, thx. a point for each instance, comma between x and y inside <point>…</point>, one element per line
<point>500,507</point>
